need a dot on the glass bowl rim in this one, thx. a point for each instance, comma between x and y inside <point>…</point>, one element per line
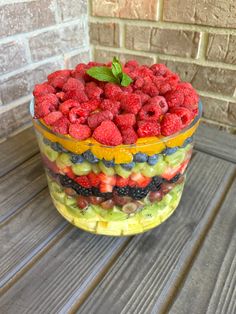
<point>159,139</point>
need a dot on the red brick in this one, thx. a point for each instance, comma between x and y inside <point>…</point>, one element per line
<point>221,47</point>
<point>23,83</point>
<point>136,9</point>
<point>72,60</point>
<point>12,56</point>
<point>72,9</point>
<point>106,56</point>
<point>208,12</point>
<point>26,16</point>
<point>57,41</point>
<point>215,109</point>
<point>105,34</point>
<point>164,41</point>
<point>232,113</point>
<point>205,78</point>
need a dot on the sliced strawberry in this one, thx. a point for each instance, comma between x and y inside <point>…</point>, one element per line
<point>68,171</point>
<point>184,166</point>
<point>49,164</point>
<point>94,179</point>
<point>132,183</point>
<point>105,188</point>
<point>121,182</point>
<point>83,181</point>
<point>110,180</point>
<point>140,180</point>
<point>171,172</point>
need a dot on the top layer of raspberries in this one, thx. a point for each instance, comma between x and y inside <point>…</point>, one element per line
<point>156,103</point>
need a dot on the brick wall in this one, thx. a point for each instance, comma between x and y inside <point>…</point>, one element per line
<point>196,38</point>
<point>36,37</point>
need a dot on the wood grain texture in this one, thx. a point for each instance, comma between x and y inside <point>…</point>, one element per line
<point>62,275</point>
<point>17,149</point>
<point>21,235</point>
<point>216,143</point>
<point>144,276</point>
<point>210,286</point>
<point>20,185</point>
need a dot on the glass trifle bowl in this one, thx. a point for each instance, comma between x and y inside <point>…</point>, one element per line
<point>131,188</point>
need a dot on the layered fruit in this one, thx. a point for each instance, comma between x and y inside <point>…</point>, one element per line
<point>115,142</point>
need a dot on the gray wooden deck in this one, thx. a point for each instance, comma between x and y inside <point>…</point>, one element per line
<point>186,265</point>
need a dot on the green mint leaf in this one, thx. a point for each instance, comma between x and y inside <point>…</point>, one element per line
<point>126,80</point>
<point>116,67</point>
<point>103,74</point>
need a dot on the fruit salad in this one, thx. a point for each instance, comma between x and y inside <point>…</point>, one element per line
<point>115,141</point>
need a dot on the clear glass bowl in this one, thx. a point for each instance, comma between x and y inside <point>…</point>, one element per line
<point>117,191</point>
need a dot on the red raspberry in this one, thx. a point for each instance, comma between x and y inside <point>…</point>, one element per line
<point>173,79</point>
<point>144,71</point>
<point>121,182</point>
<point>159,69</point>
<point>129,135</point>
<point>78,114</point>
<point>57,79</point>
<point>67,105</point>
<point>112,91</point>
<point>159,101</point>
<point>190,96</point>
<point>149,87</point>
<point>131,103</point>
<point>93,179</point>
<point>61,96</point>
<point>76,94</point>
<point>139,82</point>
<point>148,128</point>
<point>125,120</point>
<point>72,84</point>
<point>170,124</point>
<point>97,118</point>
<point>83,181</point>
<point>45,104</point>
<point>91,105</point>
<point>185,115</point>
<point>79,131</point>
<point>127,89</point>
<point>93,91</point>
<point>174,98</point>
<point>132,64</point>
<point>61,126</point>
<point>52,117</point>
<point>43,89</point>
<point>111,105</point>
<point>108,134</point>
<point>144,97</point>
<point>150,112</point>
<point>162,84</point>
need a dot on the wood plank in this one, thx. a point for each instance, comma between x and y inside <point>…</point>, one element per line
<point>25,232</point>
<point>214,268</point>
<point>20,185</point>
<point>216,143</point>
<point>17,149</point>
<point>144,276</point>
<point>62,275</point>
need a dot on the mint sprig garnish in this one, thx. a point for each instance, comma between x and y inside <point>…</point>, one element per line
<point>113,74</point>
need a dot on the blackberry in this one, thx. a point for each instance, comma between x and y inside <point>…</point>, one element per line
<point>122,191</point>
<point>81,190</point>
<point>96,192</point>
<point>66,181</point>
<point>138,193</point>
<point>175,178</point>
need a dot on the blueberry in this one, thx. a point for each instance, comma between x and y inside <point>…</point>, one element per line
<point>140,157</point>
<point>187,141</point>
<point>128,166</point>
<point>58,148</point>
<point>108,163</point>
<point>46,141</point>
<point>152,160</point>
<point>76,159</point>
<point>88,155</point>
<point>170,151</point>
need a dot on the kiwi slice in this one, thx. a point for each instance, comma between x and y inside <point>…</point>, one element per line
<point>82,169</point>
<point>63,161</point>
<point>108,171</point>
<point>49,152</point>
